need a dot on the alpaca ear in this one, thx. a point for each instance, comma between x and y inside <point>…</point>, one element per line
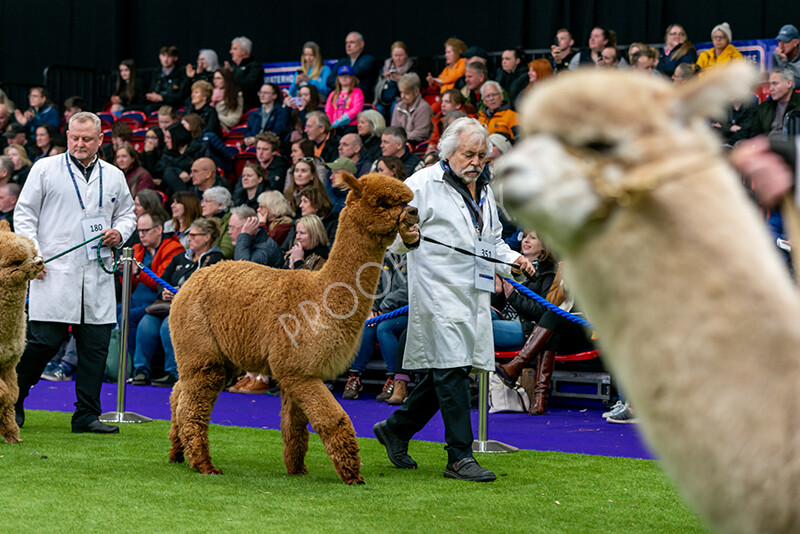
<point>4,227</point>
<point>710,95</point>
<point>353,183</point>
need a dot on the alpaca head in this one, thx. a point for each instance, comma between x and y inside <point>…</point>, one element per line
<point>598,139</point>
<point>378,205</point>
<point>19,261</point>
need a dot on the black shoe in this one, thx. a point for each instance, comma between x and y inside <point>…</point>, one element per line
<point>396,448</point>
<point>468,469</point>
<point>139,379</point>
<point>19,415</point>
<point>95,427</point>
<point>164,382</point>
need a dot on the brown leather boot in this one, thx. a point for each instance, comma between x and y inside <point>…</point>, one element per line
<point>544,375</point>
<point>535,343</point>
<point>399,394</point>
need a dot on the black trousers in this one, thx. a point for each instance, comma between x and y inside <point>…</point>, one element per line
<point>43,342</point>
<point>440,389</point>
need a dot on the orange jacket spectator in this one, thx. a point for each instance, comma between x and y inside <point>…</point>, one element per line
<point>451,74</point>
<point>503,120</point>
<point>168,249</point>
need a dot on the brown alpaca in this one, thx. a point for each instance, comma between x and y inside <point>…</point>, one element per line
<point>694,311</point>
<point>300,327</point>
<point>19,264</point>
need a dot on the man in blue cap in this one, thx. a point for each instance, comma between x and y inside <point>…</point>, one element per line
<point>786,55</point>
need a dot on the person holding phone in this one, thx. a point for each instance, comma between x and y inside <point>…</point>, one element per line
<point>561,50</point>
<point>312,71</point>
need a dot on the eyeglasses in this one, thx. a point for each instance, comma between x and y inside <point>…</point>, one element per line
<point>718,37</point>
<point>492,95</point>
<point>207,200</point>
<point>195,235</point>
<point>144,230</point>
<point>306,159</point>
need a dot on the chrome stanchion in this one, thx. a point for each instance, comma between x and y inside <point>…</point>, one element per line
<point>121,416</point>
<point>483,444</point>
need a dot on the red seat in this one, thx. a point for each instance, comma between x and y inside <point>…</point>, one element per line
<point>422,147</point>
<point>137,116</point>
<point>239,161</point>
<point>578,357</point>
<point>105,126</point>
<point>109,117</point>
<point>762,91</point>
<point>232,150</point>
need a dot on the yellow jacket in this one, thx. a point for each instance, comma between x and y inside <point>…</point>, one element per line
<point>709,59</point>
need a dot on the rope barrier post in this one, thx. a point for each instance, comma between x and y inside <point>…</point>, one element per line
<point>483,443</point>
<point>120,415</point>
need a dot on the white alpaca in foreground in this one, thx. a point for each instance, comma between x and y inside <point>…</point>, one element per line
<point>694,311</point>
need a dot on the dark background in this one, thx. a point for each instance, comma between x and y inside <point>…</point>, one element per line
<point>97,34</point>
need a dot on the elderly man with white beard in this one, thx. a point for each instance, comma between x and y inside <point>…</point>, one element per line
<point>449,318</point>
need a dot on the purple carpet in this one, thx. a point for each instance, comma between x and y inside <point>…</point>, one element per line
<point>561,429</point>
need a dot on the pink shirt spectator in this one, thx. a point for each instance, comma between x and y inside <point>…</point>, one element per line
<point>351,103</point>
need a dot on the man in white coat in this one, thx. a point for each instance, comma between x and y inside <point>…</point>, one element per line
<point>67,199</point>
<point>449,318</point>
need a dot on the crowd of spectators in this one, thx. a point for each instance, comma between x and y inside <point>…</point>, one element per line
<point>260,167</point>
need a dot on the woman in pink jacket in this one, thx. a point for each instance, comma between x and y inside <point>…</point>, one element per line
<point>346,101</point>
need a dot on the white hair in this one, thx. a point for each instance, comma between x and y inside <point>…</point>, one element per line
<point>220,195</point>
<point>211,58</point>
<point>86,116</point>
<point>243,212</point>
<point>465,130</point>
<point>410,80</point>
<point>491,83</point>
<point>245,43</point>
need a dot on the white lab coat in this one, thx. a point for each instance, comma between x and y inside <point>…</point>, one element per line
<point>48,212</point>
<point>449,321</point>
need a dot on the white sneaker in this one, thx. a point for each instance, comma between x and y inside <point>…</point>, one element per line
<point>624,416</point>
<point>614,409</point>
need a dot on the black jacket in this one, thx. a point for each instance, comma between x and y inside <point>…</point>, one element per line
<point>173,87</point>
<point>528,309</point>
<point>259,248</point>
<point>182,267</point>
<point>766,113</point>
<point>513,82</point>
<point>366,69</point>
<point>249,74</point>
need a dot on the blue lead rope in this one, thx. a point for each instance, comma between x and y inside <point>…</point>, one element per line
<point>156,278</point>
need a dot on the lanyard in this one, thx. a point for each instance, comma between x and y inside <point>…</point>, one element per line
<point>74,183</point>
<point>476,213</point>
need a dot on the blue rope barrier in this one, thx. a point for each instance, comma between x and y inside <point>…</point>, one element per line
<point>385,316</point>
<point>156,278</point>
<point>547,304</point>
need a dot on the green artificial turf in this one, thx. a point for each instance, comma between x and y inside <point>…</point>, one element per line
<point>56,481</point>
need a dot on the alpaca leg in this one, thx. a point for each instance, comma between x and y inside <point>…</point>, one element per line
<point>176,452</point>
<point>295,436</point>
<point>330,422</point>
<point>198,392</point>
<point>8,396</point>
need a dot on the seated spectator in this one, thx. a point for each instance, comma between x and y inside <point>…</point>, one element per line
<point>310,249</point>
<point>723,51</point>
<point>413,113</point>
<point>41,111</point>
<point>153,330</point>
<point>562,51</point>
<point>387,91</point>
<point>512,74</point>
<point>5,120</point>
<point>129,90</point>
<point>334,185</point>
<point>393,294</point>
<point>307,100</point>
<point>146,201</point>
<point>496,115</point>
<point>304,174</point>
<point>204,176</point>
<point>46,137</point>
<point>155,251</point>
<point>270,117</point>
<point>166,117</point>
<point>153,148</point>
<point>320,132</point>
<point>346,101</point>
<point>185,209</point>
<point>22,165</point>
<point>316,202</point>
<point>169,87</point>
<point>543,332</point>
<point>250,239</point>
<point>599,39</point>
<point>275,214</point>
<point>121,133</point>
<point>229,102</point>
<point>738,124</point>
<point>216,204</point>
<point>685,72</point>
<point>677,49</point>
<point>455,66</point>
<point>364,66</point>
<point>786,54</point>
<point>393,143</point>
<point>267,157</point>
<point>304,148</point>
<point>176,163</point>
<point>609,58</point>
<point>201,106</point>
<point>783,99</point>
<point>207,65</point>
<point>350,147</point>
<point>645,60</point>
<point>9,194</point>
<point>72,106</point>
<point>370,128</point>
<point>215,147</point>
<point>127,160</point>
<point>452,100</point>
<point>6,170</point>
<point>474,77</point>
<point>431,158</point>
<point>393,167</point>
<point>248,73</point>
<point>252,183</point>
<point>16,134</point>
<point>312,72</point>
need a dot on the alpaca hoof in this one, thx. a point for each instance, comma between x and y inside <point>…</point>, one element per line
<point>357,481</point>
<point>209,470</point>
<point>301,471</point>
<point>12,439</point>
<point>176,458</point>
